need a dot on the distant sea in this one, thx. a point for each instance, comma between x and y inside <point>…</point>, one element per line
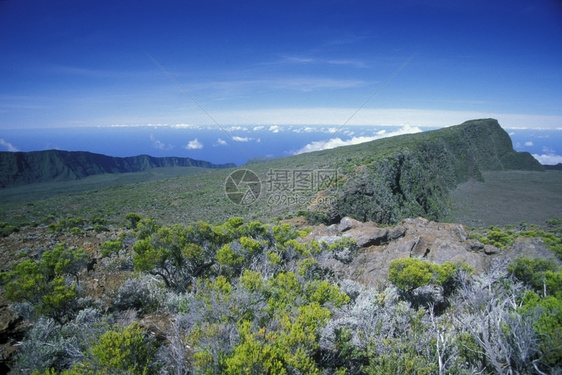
<point>237,144</point>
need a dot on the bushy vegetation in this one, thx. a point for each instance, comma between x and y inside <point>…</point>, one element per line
<point>551,236</point>
<point>7,229</point>
<point>247,297</point>
<point>49,284</point>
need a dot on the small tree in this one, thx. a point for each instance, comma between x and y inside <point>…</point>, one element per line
<point>62,260</point>
<point>133,220</point>
<point>125,350</point>
<point>168,253</point>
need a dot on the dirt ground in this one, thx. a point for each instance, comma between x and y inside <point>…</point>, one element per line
<point>508,197</point>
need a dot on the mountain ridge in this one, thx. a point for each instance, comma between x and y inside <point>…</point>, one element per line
<point>19,168</point>
<point>410,175</point>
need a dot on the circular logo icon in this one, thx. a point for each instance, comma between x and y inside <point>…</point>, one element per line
<point>242,187</point>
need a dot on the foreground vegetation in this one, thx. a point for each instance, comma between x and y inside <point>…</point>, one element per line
<point>246,297</point>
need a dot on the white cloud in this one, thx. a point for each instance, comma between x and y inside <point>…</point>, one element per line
<point>194,145</point>
<point>8,145</point>
<point>186,126</point>
<point>160,145</point>
<point>528,144</point>
<point>236,128</point>
<point>241,139</point>
<point>338,142</point>
<point>548,159</point>
<point>306,129</point>
<point>220,142</point>
<point>274,128</point>
<point>256,128</point>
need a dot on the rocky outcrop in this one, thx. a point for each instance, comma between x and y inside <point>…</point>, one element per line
<point>414,238</point>
<point>18,168</point>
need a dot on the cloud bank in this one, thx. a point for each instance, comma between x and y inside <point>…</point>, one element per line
<point>241,139</point>
<point>548,159</point>
<point>338,142</point>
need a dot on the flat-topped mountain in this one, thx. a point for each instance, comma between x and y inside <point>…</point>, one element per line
<point>18,168</point>
<point>408,176</point>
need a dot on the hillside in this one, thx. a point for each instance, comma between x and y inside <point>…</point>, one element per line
<point>382,181</point>
<point>17,168</point>
<point>414,174</point>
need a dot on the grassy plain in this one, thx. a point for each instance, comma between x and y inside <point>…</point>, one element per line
<point>508,197</point>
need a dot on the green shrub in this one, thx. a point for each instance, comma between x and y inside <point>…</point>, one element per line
<point>44,283</point>
<point>110,247</point>
<point>496,237</point>
<point>58,299</point>
<point>548,324</point>
<point>540,274</point>
<point>6,229</point>
<point>62,260</point>
<point>98,228</point>
<point>554,222</point>
<point>411,273</point>
<point>250,245</point>
<point>551,239</point>
<point>226,256</point>
<point>25,282</point>
<point>75,231</point>
<point>133,219</point>
<point>128,349</point>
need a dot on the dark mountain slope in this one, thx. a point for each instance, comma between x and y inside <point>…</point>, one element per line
<point>18,168</point>
<point>556,167</point>
<point>411,175</point>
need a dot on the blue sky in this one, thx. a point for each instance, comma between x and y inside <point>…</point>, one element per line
<point>70,64</point>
